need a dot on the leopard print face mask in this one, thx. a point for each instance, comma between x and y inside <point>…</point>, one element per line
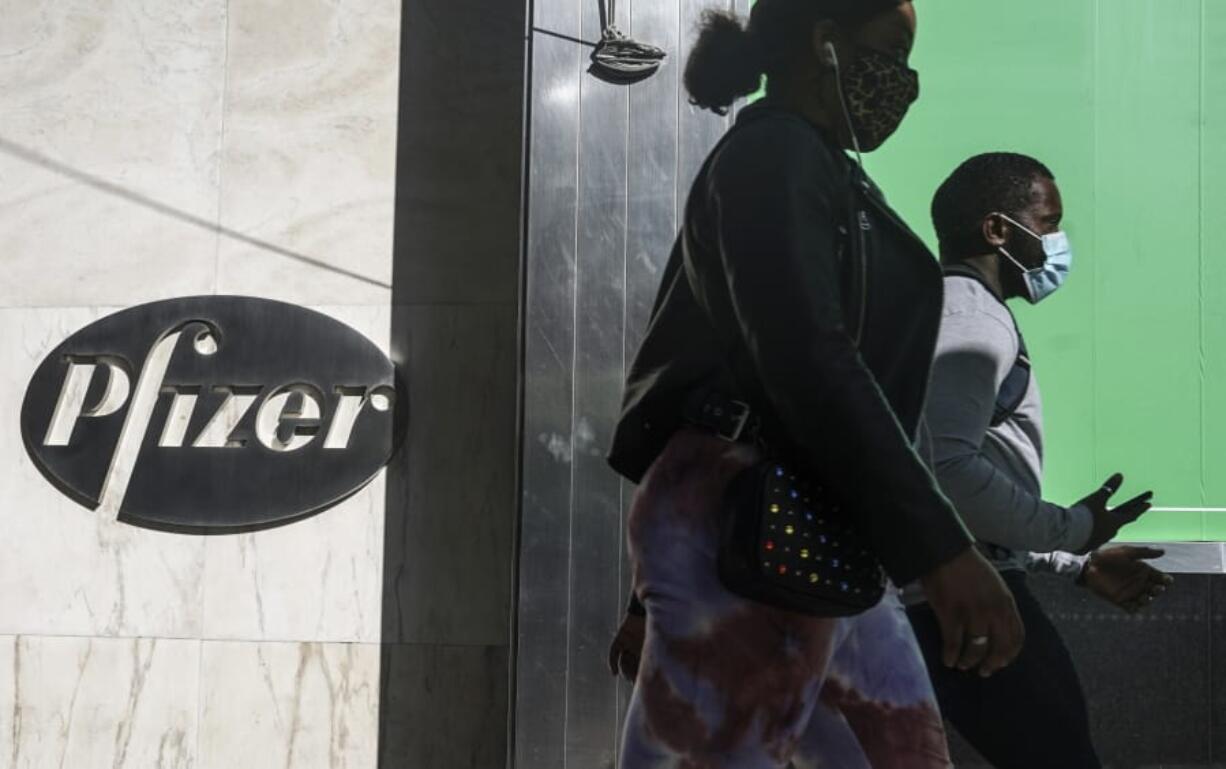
<point>879,90</point>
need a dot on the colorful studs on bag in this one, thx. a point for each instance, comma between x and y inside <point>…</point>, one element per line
<point>804,553</point>
<point>775,508</point>
<point>783,569</point>
<point>770,545</point>
<point>789,529</point>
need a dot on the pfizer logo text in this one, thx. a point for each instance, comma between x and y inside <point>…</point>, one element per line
<point>212,413</point>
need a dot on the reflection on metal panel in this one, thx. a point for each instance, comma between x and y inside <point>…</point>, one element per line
<point>540,699</point>
<point>609,167</point>
<point>596,491</point>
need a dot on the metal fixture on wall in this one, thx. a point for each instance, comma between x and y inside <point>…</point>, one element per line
<point>617,58</point>
<point>611,168</point>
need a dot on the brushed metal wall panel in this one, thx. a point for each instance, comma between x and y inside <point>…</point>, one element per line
<point>595,606</point>
<point>609,166</point>
<point>543,609</point>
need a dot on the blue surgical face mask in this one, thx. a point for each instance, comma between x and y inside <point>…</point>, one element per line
<point>1043,281</point>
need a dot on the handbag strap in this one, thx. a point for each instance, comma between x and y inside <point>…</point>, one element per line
<point>1016,384</point>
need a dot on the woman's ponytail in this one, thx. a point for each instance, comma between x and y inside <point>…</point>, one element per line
<point>725,64</point>
<point>729,59</point>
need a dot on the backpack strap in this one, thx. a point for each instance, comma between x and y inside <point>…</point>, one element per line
<point>1013,389</point>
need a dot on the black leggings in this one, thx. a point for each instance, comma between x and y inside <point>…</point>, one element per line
<point>1030,715</point>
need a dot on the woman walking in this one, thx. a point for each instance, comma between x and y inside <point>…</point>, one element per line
<point>795,325</point>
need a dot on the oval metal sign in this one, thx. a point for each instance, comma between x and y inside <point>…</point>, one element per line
<point>212,413</point>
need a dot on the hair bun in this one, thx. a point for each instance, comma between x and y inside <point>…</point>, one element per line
<point>725,64</point>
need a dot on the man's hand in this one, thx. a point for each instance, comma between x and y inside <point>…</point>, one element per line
<point>1108,522</point>
<point>978,617</point>
<point>627,647</point>
<point>1120,575</point>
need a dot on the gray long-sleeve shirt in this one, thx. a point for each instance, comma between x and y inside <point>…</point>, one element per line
<point>993,473</point>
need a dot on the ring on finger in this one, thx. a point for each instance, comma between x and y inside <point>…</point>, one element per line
<point>979,640</point>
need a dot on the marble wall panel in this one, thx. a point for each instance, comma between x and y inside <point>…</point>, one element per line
<point>318,579</point>
<point>110,126</point>
<point>298,705</point>
<point>309,160</point>
<point>64,570</point>
<point>98,702</point>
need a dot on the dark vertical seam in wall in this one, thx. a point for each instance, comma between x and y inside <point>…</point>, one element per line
<point>521,375</point>
<point>574,365</point>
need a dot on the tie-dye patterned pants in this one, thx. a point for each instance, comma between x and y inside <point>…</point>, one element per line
<point>728,683</point>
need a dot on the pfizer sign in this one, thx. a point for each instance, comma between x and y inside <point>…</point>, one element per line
<point>212,413</point>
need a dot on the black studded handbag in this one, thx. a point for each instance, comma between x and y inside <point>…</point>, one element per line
<point>785,540</point>
<point>789,543</point>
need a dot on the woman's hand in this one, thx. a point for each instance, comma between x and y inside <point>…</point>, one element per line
<point>979,620</point>
<point>627,647</point>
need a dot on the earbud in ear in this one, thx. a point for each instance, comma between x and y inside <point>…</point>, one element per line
<point>829,56</point>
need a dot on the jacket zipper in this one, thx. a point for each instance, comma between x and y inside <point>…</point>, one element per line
<point>865,226</point>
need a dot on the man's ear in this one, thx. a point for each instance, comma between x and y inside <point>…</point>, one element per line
<point>995,231</point>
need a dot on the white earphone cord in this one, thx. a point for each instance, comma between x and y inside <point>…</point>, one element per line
<point>838,84</point>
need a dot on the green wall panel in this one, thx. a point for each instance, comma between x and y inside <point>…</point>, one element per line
<point>1213,259</point>
<point>1126,101</point>
<point>1146,338</point>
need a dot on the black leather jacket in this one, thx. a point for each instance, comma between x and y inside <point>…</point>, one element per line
<point>752,303</point>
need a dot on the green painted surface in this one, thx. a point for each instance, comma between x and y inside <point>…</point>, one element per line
<point>1126,101</point>
<point>1213,258</point>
